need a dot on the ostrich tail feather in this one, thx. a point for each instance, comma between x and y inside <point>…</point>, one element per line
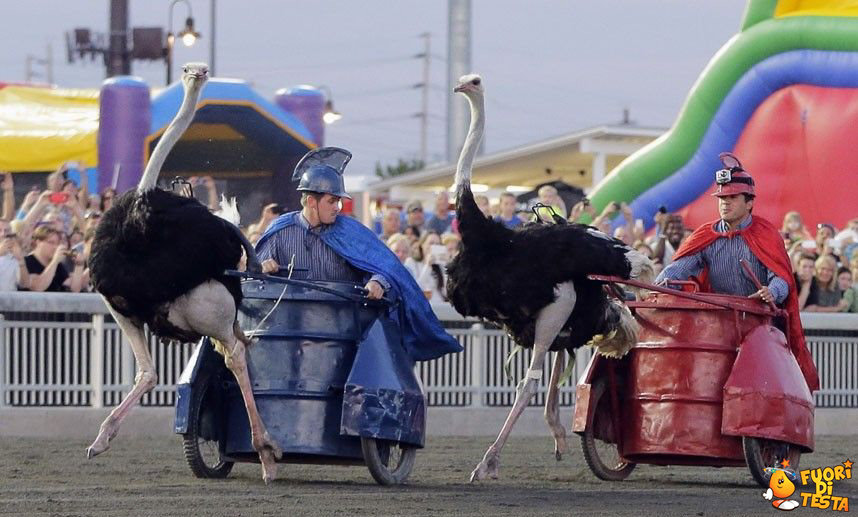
<point>229,210</point>
<point>619,341</point>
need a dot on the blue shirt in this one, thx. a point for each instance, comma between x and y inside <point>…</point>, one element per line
<point>726,274</point>
<point>513,223</point>
<point>439,225</point>
<point>314,259</point>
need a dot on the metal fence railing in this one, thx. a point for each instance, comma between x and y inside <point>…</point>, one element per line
<point>77,357</point>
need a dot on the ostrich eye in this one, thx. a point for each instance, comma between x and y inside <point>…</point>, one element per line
<point>185,69</point>
<point>476,82</point>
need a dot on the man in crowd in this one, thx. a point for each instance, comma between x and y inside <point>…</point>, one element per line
<point>669,239</point>
<point>390,223</point>
<point>340,248</point>
<point>507,211</point>
<point>713,254</point>
<point>414,215</point>
<point>442,219</point>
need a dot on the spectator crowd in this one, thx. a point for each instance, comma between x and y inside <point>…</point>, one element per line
<point>45,242</point>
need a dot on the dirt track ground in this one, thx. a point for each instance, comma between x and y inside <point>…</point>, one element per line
<point>148,477</point>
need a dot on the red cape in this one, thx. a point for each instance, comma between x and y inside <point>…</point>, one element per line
<point>766,244</point>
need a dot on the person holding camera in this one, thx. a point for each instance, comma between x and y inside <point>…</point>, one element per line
<point>13,268</point>
<point>714,253</point>
<point>428,260</point>
<point>45,263</point>
<point>671,231</point>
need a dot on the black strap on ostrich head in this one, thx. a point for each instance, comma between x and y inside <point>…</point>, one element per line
<point>557,219</point>
<point>182,187</point>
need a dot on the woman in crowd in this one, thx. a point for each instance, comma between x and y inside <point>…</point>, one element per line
<point>828,294</point>
<point>45,267</point>
<point>412,232</point>
<point>451,241</point>
<point>849,303</point>
<point>428,261</point>
<point>793,229</point>
<point>399,245</point>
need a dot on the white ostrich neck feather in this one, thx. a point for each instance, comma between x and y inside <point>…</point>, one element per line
<point>168,140</point>
<point>472,142</point>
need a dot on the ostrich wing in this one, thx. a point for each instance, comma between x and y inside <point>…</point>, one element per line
<point>152,248</point>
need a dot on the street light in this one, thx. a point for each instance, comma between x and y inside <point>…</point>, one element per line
<point>329,115</point>
<point>188,35</point>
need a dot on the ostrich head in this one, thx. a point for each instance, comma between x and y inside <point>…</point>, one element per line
<point>194,76</point>
<point>470,85</point>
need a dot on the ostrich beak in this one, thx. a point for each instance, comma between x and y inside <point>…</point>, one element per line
<point>460,88</point>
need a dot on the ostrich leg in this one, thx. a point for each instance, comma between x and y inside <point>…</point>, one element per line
<point>269,451</point>
<point>552,406</point>
<point>549,323</point>
<point>144,381</point>
<point>210,310</point>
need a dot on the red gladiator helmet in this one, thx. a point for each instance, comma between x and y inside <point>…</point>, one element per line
<point>732,179</point>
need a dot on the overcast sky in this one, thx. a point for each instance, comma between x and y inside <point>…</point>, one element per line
<point>549,67</point>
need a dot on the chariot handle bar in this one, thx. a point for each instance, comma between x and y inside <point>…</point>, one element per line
<point>361,298</point>
<point>766,311</point>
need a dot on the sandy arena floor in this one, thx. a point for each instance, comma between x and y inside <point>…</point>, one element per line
<point>148,477</point>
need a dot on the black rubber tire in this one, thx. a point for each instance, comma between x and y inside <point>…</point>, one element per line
<point>590,444</point>
<point>376,455</point>
<point>761,453</point>
<point>197,447</point>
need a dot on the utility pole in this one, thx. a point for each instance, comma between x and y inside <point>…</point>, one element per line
<point>118,62</point>
<point>212,41</point>
<point>424,113</point>
<point>458,64</point>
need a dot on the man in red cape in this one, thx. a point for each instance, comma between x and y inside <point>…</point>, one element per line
<point>713,252</point>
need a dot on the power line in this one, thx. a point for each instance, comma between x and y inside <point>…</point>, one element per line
<point>349,64</point>
<point>375,119</point>
<point>371,93</point>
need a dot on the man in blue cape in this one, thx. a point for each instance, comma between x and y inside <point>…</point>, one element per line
<point>340,248</point>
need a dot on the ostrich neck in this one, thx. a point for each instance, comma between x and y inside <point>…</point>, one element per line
<point>472,143</point>
<point>174,131</point>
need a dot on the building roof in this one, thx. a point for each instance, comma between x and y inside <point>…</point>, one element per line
<point>569,158</point>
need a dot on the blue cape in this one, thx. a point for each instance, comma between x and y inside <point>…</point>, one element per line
<point>423,335</point>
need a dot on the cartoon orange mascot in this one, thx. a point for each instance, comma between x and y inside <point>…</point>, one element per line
<point>781,486</point>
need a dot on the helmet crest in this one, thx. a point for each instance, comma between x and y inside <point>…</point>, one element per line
<point>321,170</point>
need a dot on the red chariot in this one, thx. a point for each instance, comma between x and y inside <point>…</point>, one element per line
<point>711,382</point>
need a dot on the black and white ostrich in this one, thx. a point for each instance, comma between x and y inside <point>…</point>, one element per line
<point>533,282</point>
<point>159,259</point>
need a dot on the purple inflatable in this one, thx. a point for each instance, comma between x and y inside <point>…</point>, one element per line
<point>307,104</point>
<point>124,118</point>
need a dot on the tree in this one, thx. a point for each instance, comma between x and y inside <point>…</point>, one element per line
<point>401,167</point>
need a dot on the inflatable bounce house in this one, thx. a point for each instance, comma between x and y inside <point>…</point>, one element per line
<point>783,96</point>
<point>246,142</point>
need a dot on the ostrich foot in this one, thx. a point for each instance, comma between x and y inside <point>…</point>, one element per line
<point>488,467</point>
<point>269,465</point>
<point>102,441</point>
<point>269,453</point>
<point>560,446</point>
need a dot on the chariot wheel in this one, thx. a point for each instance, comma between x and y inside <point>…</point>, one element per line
<point>200,442</point>
<point>389,462</point>
<point>762,453</point>
<point>603,456</point>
